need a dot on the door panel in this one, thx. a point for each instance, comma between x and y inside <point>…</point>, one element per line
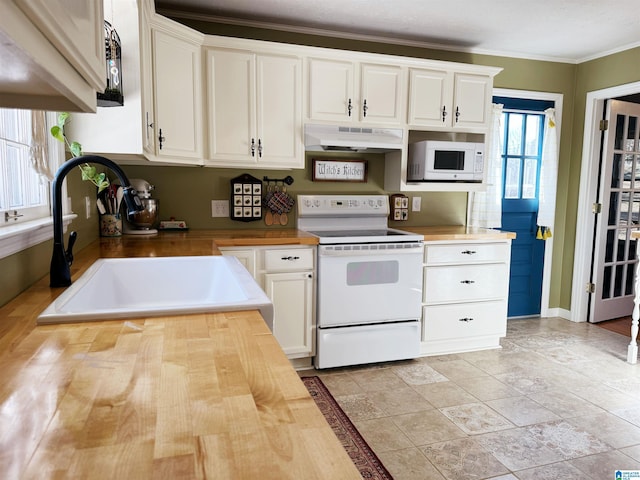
<point>614,256</point>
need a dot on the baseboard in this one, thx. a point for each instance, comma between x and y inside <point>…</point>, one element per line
<point>562,313</point>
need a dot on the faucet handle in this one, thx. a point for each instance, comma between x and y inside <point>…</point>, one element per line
<point>69,252</point>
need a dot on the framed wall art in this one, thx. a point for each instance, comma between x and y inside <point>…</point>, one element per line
<point>330,170</point>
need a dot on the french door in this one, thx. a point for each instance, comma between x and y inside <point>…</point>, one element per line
<point>617,214</point>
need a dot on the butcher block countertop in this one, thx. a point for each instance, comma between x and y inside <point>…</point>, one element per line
<point>195,396</point>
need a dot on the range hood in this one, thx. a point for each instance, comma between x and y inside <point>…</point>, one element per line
<point>334,138</point>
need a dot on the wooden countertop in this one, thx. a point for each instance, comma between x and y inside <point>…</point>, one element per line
<point>194,396</point>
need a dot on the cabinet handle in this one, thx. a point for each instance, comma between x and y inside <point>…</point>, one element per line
<point>457,114</point>
<point>364,108</point>
<point>309,275</point>
<point>349,107</point>
<point>467,282</point>
<point>260,148</point>
<point>290,258</point>
<point>253,147</point>
<point>469,252</point>
<point>444,113</point>
<point>161,139</point>
<point>465,319</point>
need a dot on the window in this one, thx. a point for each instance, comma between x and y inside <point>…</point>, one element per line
<point>24,194</point>
<point>25,214</point>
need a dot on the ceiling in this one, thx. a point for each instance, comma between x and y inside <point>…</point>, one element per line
<point>559,30</point>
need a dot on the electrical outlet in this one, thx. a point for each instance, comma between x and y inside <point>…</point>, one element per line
<point>87,207</point>
<point>416,203</point>
<point>219,208</point>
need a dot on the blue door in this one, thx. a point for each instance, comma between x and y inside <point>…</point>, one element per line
<point>523,130</point>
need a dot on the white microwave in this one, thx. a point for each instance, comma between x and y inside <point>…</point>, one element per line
<point>445,161</point>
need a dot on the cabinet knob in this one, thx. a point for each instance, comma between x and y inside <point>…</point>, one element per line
<point>468,252</point>
<point>465,319</point>
<point>290,258</point>
<point>467,282</point>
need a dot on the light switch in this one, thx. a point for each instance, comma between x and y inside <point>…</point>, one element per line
<point>416,203</point>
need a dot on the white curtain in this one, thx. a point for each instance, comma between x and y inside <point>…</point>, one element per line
<point>486,207</point>
<point>39,153</point>
<point>548,176</point>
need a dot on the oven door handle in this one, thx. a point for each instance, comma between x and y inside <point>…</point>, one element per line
<point>324,252</point>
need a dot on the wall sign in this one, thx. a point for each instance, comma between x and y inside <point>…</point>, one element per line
<point>339,170</point>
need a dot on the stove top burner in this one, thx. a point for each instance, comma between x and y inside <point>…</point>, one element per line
<point>357,233</point>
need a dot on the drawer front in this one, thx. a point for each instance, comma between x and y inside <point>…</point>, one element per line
<point>466,253</point>
<point>464,320</point>
<point>288,259</point>
<point>465,283</point>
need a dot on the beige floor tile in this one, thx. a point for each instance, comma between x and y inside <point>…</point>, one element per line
<point>400,401</point>
<point>567,440</point>
<point>609,428</point>
<point>359,406</point>
<point>341,384</point>
<point>458,369</point>
<point>419,374</point>
<point>487,388</point>
<point>565,404</point>
<point>464,458</point>
<point>444,394</point>
<point>409,464</point>
<point>383,435</point>
<point>604,465</point>
<point>424,428</point>
<point>555,471</point>
<point>476,418</point>
<point>522,411</point>
<point>377,379</point>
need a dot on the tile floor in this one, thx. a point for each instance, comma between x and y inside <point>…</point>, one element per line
<point>558,401</point>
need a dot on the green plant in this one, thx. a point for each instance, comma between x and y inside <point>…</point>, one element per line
<point>89,172</point>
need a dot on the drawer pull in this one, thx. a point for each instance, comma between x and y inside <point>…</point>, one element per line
<point>469,252</point>
<point>465,319</point>
<point>467,282</point>
<point>290,258</point>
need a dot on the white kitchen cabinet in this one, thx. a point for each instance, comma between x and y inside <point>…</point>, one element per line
<point>53,54</point>
<point>465,295</point>
<point>254,109</point>
<point>177,123</point>
<point>287,275</point>
<point>345,91</point>
<point>446,99</point>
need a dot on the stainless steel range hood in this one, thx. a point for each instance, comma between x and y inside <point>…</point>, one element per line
<point>351,139</point>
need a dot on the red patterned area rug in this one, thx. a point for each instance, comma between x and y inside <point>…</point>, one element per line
<point>361,454</point>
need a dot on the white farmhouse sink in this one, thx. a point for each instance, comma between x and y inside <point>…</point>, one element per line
<point>153,286</point>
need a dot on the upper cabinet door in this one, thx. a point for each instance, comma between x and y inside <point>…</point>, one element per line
<point>331,90</point>
<point>178,97</point>
<point>76,29</point>
<point>231,87</point>
<point>279,111</point>
<point>381,94</point>
<point>472,98</point>
<point>430,97</point>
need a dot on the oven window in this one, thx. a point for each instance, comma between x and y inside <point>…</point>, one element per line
<point>448,160</point>
<point>372,273</point>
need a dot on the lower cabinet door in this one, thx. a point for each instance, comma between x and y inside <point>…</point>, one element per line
<point>464,320</point>
<point>292,297</point>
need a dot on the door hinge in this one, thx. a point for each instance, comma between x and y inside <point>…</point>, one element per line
<point>591,288</point>
<point>604,125</point>
<point>596,208</point>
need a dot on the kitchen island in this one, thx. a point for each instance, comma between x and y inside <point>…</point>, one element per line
<point>194,396</point>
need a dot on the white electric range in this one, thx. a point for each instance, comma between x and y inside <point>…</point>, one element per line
<point>369,282</point>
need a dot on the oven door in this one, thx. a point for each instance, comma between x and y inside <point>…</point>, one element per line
<point>369,283</point>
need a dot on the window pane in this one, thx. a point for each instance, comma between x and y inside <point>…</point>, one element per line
<point>529,178</point>
<point>514,146</point>
<point>533,135</point>
<point>512,178</point>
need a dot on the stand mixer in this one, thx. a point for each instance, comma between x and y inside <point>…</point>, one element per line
<point>144,221</point>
